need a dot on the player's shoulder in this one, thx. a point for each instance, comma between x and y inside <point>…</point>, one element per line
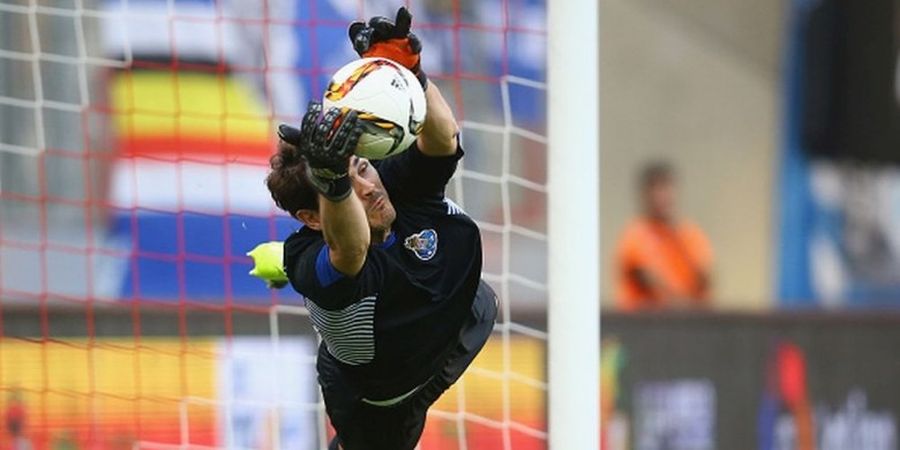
<point>302,243</point>
<point>439,213</point>
<point>429,205</point>
<point>303,237</point>
<point>311,274</point>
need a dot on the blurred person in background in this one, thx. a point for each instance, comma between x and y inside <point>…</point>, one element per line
<point>662,260</point>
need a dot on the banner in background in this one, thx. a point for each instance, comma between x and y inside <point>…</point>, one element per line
<point>723,382</point>
<point>854,234</point>
<point>113,394</point>
<point>839,197</point>
<point>207,82</point>
<point>246,392</point>
<point>683,382</point>
<point>269,392</point>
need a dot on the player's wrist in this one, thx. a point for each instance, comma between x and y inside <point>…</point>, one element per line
<point>333,186</point>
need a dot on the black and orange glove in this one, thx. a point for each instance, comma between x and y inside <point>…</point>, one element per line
<point>383,38</point>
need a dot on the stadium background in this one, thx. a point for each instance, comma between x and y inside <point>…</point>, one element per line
<point>133,138</point>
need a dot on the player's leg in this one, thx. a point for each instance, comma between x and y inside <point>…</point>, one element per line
<point>471,340</point>
<point>341,403</point>
<point>361,426</point>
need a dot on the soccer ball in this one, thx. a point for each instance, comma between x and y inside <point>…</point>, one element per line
<point>390,102</point>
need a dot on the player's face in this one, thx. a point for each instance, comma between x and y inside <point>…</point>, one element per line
<point>368,187</point>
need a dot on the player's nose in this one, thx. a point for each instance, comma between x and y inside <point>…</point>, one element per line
<point>365,187</point>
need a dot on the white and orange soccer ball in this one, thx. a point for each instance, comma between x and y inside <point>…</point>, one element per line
<point>390,102</point>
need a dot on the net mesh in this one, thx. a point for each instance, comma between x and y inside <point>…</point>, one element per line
<point>134,136</point>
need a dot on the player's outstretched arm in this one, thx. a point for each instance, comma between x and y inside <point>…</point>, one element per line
<point>327,142</point>
<point>385,38</point>
<point>346,232</point>
<point>440,131</point>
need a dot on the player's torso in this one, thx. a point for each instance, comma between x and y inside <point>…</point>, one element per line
<point>437,245</point>
<point>435,267</point>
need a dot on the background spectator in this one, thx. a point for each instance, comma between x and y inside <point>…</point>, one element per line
<point>663,260</point>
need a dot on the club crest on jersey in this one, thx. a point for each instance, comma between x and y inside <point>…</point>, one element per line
<point>423,244</point>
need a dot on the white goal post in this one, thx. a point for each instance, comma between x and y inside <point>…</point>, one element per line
<point>573,225</point>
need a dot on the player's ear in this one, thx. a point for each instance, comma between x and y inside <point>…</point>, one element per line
<point>309,218</point>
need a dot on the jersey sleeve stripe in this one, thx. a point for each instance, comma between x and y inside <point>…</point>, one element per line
<point>325,271</point>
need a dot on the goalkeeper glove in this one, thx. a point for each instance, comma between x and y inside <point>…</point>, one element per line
<point>326,142</point>
<point>268,264</point>
<point>381,38</point>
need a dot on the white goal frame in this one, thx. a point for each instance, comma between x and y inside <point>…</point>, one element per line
<point>573,364</point>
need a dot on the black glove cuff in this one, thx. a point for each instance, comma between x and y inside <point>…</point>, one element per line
<point>334,189</point>
<point>340,189</point>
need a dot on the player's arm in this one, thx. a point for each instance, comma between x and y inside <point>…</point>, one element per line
<point>422,171</point>
<point>440,131</point>
<point>346,233</point>
<point>385,38</point>
<point>327,142</point>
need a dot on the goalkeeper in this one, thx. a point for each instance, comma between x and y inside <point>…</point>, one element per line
<point>390,268</point>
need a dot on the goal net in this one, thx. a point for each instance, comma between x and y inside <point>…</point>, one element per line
<point>134,137</point>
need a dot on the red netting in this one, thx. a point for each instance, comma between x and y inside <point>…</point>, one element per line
<point>133,143</point>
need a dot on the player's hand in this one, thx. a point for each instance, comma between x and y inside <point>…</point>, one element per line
<point>326,141</point>
<point>383,38</point>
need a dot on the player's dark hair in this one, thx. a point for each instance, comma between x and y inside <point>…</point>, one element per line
<point>655,173</point>
<point>287,181</point>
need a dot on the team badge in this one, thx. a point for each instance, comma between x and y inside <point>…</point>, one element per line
<point>423,244</point>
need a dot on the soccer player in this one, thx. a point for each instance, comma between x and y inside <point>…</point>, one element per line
<point>389,267</point>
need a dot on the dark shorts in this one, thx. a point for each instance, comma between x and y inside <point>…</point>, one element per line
<point>362,426</point>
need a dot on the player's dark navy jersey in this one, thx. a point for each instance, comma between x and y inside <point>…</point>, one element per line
<point>391,325</point>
